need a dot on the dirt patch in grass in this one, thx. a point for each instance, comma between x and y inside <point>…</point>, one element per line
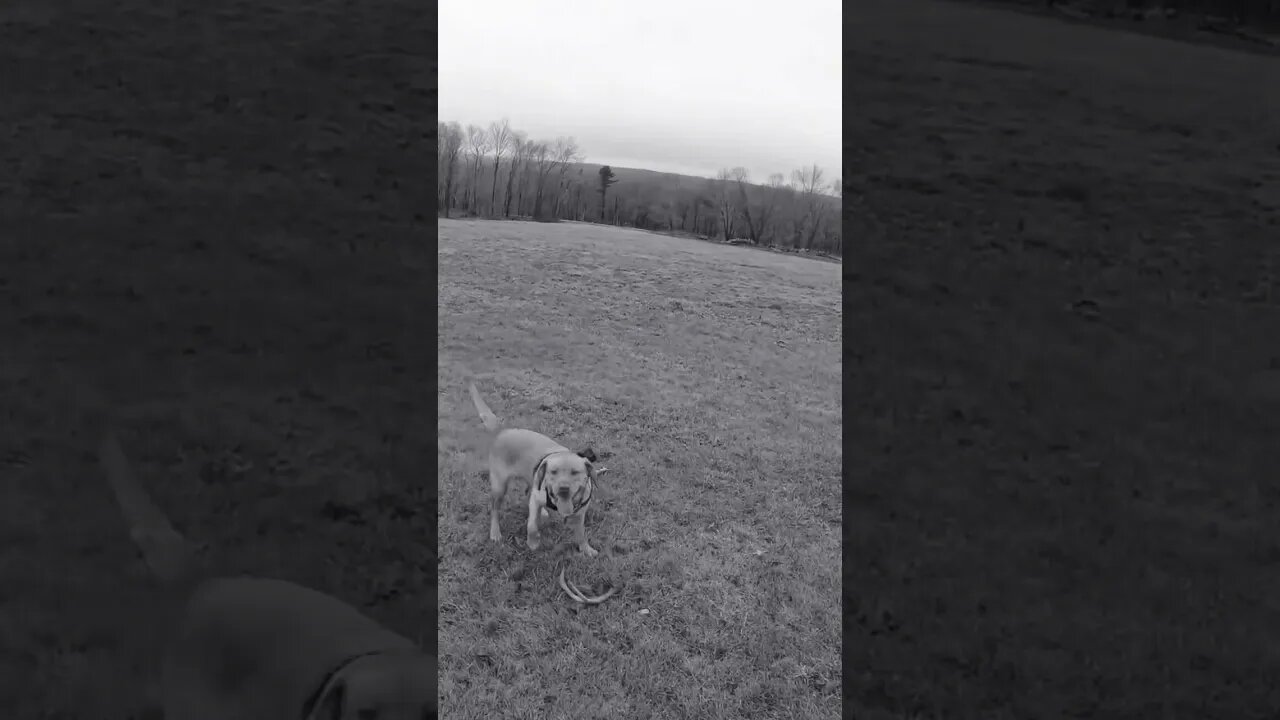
<point>203,221</point>
<point>710,376</point>
<point>1065,302</point>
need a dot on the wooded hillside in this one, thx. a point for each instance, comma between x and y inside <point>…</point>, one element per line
<point>500,172</point>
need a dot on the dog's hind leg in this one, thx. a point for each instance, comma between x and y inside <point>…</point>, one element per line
<point>497,491</point>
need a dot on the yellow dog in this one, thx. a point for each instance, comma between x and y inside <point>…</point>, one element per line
<point>246,648</point>
<point>560,479</point>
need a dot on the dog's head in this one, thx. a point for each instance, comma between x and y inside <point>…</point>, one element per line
<point>381,686</point>
<point>567,478</point>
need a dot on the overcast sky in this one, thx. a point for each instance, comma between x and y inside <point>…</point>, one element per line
<point>686,86</point>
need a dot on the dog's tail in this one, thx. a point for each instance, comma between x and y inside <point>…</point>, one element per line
<point>487,418</point>
<point>167,553</point>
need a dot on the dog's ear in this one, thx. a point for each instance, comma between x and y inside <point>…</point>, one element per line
<point>332,702</point>
<point>587,453</point>
<point>539,474</point>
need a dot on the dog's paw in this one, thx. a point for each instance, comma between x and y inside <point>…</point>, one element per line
<point>534,542</point>
<point>588,551</point>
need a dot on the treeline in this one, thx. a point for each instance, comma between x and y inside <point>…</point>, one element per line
<point>500,172</point>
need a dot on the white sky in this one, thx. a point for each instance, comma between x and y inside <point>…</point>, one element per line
<point>686,86</point>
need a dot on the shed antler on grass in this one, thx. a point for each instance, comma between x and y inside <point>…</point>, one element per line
<point>578,596</point>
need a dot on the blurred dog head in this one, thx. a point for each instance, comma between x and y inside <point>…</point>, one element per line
<point>567,478</point>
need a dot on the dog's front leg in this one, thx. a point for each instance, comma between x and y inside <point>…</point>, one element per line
<point>579,523</point>
<point>533,538</point>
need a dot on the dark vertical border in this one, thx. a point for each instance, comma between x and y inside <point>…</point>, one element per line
<point>1061,374</point>
<point>430,238</point>
<point>179,184</point>
<point>851,270</point>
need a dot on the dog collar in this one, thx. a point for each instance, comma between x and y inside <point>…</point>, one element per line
<point>542,483</point>
<point>313,700</point>
<point>539,464</point>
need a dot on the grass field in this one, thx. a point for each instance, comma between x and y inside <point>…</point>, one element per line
<point>708,377</point>
<point>203,219</point>
<point>1066,369</point>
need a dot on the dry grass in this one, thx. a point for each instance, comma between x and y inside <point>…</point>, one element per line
<point>202,219</point>
<point>1063,317</point>
<point>709,376</point>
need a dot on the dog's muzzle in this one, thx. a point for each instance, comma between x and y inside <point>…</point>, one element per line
<point>574,507</point>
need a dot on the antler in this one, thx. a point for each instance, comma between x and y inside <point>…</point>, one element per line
<point>578,596</point>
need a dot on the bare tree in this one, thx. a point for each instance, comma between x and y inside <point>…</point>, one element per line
<point>442,131</point>
<point>833,241</point>
<point>699,202</point>
<point>527,173</point>
<point>667,207</point>
<point>641,206</point>
<point>477,146</point>
<point>773,197</point>
<point>756,214</point>
<point>579,183</point>
<point>563,154</point>
<point>547,159</point>
<point>541,160</point>
<point>724,196</point>
<point>810,185</point>
<point>500,140</point>
<point>450,145</point>
<point>519,145</point>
